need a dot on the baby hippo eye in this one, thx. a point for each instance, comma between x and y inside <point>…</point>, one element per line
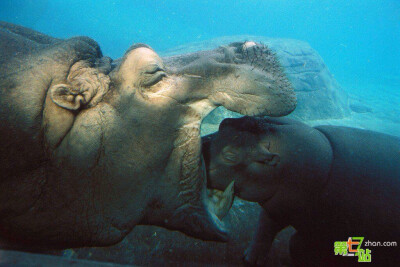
<point>152,75</point>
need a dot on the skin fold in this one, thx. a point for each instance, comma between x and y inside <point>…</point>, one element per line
<point>328,182</point>
<point>91,147</point>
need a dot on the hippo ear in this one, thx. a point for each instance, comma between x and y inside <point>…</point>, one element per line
<point>264,156</point>
<point>66,97</point>
<point>231,155</point>
<point>86,87</point>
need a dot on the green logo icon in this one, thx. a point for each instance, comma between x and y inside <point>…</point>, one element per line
<point>364,256</point>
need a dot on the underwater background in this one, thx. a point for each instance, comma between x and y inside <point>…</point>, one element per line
<point>358,40</point>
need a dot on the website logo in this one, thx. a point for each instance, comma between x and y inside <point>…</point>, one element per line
<point>352,247</point>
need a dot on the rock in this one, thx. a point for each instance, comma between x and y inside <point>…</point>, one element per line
<point>319,95</point>
<point>360,108</point>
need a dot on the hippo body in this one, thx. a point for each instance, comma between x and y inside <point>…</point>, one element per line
<point>331,183</point>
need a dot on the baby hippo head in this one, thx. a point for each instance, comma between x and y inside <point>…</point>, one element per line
<point>242,151</point>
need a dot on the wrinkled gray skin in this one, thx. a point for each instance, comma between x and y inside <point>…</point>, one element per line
<point>328,182</point>
<point>91,148</point>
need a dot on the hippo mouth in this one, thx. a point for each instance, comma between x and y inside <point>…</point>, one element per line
<point>201,214</point>
<point>243,77</point>
<point>208,226</point>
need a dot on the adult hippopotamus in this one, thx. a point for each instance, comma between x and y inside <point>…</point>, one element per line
<point>91,148</point>
<point>329,182</point>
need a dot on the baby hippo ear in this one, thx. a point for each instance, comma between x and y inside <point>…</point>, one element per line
<point>85,86</point>
<point>264,156</point>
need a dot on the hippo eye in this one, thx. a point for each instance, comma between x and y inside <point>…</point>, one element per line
<point>153,75</point>
<point>153,69</point>
<point>230,155</point>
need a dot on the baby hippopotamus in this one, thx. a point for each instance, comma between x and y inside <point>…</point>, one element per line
<point>328,182</point>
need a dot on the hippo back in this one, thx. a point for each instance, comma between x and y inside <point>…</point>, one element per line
<point>364,183</point>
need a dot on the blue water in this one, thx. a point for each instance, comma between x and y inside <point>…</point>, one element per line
<point>358,39</point>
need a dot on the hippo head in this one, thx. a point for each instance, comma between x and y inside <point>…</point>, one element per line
<point>241,151</point>
<point>267,158</point>
<point>120,147</point>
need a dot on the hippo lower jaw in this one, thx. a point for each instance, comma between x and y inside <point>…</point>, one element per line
<point>195,216</point>
<point>205,222</point>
